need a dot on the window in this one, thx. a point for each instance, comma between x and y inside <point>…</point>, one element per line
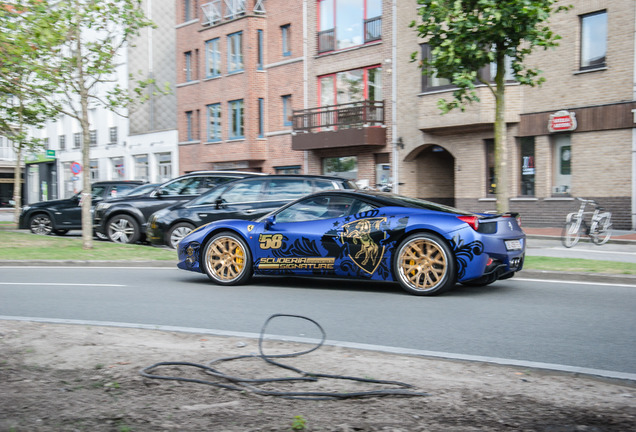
<point>164,162</point>
<point>346,23</point>
<point>214,122</point>
<point>94,169</point>
<point>346,166</point>
<point>112,132</point>
<point>491,179</point>
<point>351,86</point>
<point>261,119</point>
<point>235,52</point>
<point>189,126</point>
<point>285,35</point>
<point>141,167</point>
<point>92,134</point>
<point>293,169</point>
<point>434,82</point>
<point>527,166</point>
<point>77,140</point>
<point>45,143</point>
<point>248,191</point>
<point>118,168</point>
<point>212,58</point>
<point>259,48</point>
<point>236,120</point>
<point>61,142</point>
<point>563,165</point>
<point>187,10</point>
<point>287,110</point>
<point>593,40</point>
<point>188,66</point>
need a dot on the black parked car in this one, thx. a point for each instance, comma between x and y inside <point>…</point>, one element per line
<point>247,199</point>
<point>124,220</point>
<point>60,216</point>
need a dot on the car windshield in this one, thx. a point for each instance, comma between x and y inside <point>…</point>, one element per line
<point>140,190</point>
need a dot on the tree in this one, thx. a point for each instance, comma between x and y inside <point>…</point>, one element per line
<point>467,35</point>
<point>25,40</point>
<point>83,68</point>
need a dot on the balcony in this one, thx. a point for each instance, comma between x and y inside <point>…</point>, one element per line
<point>344,125</point>
<point>225,10</point>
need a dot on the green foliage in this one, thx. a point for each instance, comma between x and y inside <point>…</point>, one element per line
<point>299,423</point>
<point>468,35</point>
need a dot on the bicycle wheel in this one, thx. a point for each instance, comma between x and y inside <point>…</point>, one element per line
<point>571,234</point>
<point>602,230</point>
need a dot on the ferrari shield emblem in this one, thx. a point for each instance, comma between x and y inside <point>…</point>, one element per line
<point>250,228</point>
<point>363,238</point>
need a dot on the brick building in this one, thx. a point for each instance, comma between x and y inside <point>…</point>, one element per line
<point>240,75</point>
<point>327,87</point>
<point>571,137</point>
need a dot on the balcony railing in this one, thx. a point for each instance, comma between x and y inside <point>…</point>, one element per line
<point>219,10</point>
<point>372,29</point>
<point>353,114</point>
<point>326,40</point>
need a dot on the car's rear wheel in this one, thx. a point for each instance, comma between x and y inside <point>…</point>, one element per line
<point>424,264</point>
<point>177,233</point>
<point>41,224</point>
<point>227,260</point>
<point>123,229</point>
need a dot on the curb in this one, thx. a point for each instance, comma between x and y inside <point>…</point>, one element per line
<point>578,277</point>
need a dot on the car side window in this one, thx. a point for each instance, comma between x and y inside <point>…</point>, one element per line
<point>283,189</point>
<point>208,198</point>
<point>97,192</point>
<point>243,192</point>
<point>174,188</point>
<point>321,185</point>
<point>318,208</point>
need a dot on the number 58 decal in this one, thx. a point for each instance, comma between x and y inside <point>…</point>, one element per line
<point>270,241</point>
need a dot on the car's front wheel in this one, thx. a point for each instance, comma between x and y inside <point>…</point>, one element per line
<point>41,224</point>
<point>123,229</point>
<point>177,233</point>
<point>424,264</point>
<point>226,259</point>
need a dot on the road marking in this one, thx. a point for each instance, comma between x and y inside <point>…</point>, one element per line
<point>351,345</point>
<point>60,284</point>
<point>573,282</point>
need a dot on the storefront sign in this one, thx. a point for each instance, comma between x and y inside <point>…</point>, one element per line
<point>562,121</point>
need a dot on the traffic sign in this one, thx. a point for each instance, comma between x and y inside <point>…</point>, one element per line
<point>76,168</point>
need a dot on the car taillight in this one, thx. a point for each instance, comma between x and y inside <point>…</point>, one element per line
<point>473,221</point>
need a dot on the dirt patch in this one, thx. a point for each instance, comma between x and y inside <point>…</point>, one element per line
<point>58,377</point>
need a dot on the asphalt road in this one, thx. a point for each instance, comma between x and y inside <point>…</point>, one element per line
<point>575,324</point>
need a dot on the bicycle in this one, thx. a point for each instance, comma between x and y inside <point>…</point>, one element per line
<point>599,231</point>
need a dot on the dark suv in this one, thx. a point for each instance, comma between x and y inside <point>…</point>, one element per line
<point>248,198</point>
<point>123,220</point>
<point>60,216</point>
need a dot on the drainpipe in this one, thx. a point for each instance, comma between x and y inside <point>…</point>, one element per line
<point>305,79</point>
<point>394,65</point>
<point>634,139</point>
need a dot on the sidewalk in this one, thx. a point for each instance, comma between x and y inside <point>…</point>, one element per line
<point>555,233</point>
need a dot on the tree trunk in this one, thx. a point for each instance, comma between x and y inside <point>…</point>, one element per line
<point>501,146</point>
<point>17,185</point>
<point>87,196</point>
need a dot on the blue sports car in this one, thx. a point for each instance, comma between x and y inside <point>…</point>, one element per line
<point>424,246</point>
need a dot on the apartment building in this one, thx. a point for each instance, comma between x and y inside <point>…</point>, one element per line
<point>574,136</point>
<point>139,144</point>
<point>239,78</point>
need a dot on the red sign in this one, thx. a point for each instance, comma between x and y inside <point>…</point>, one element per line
<point>562,121</point>
<point>76,168</point>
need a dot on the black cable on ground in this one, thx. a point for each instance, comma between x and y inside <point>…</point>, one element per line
<point>242,384</point>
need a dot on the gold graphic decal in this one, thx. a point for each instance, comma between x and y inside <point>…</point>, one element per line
<point>250,228</point>
<point>296,263</point>
<point>270,241</point>
<point>363,237</point>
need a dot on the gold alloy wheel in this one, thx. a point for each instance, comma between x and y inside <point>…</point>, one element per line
<point>225,259</point>
<point>422,264</point>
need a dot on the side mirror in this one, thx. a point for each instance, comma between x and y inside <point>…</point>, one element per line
<point>269,222</point>
<point>218,203</point>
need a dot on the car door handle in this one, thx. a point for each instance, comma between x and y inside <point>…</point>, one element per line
<point>250,211</point>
